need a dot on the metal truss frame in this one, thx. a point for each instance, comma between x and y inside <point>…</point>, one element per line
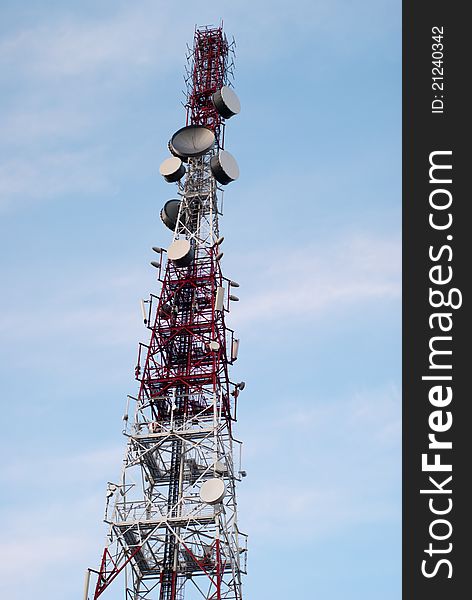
<point>162,535</point>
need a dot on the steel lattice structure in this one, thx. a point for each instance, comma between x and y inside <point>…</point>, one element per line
<point>164,538</point>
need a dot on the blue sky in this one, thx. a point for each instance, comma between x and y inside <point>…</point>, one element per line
<point>91,93</point>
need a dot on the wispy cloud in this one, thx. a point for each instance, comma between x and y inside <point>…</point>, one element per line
<point>78,306</point>
<point>132,36</point>
<point>55,520</point>
<point>64,82</point>
<point>65,75</point>
<point>309,282</point>
<point>314,280</point>
<point>145,32</point>
<point>46,471</point>
<point>319,469</point>
<point>33,123</point>
<point>52,174</point>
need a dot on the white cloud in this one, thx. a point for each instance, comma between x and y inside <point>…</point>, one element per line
<point>133,36</point>
<point>314,470</point>
<point>53,530</point>
<point>66,81</point>
<point>77,306</point>
<point>65,75</point>
<point>47,175</point>
<point>145,33</point>
<point>28,124</point>
<point>310,282</point>
<point>322,470</point>
<point>314,280</point>
<point>57,472</point>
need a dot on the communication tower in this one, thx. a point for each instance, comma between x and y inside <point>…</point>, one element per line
<point>172,516</point>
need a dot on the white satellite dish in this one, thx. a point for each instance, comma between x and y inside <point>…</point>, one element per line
<point>181,253</point>
<point>170,213</point>
<point>212,491</point>
<point>224,167</point>
<point>226,102</point>
<point>191,141</point>
<point>172,169</point>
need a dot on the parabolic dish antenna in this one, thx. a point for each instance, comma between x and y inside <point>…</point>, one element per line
<point>172,169</point>
<point>170,213</point>
<point>191,141</point>
<point>224,167</point>
<point>181,253</point>
<point>226,102</point>
<point>212,491</point>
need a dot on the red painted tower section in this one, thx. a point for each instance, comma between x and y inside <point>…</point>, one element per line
<point>209,74</point>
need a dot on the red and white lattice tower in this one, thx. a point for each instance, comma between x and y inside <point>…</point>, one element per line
<point>172,517</point>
